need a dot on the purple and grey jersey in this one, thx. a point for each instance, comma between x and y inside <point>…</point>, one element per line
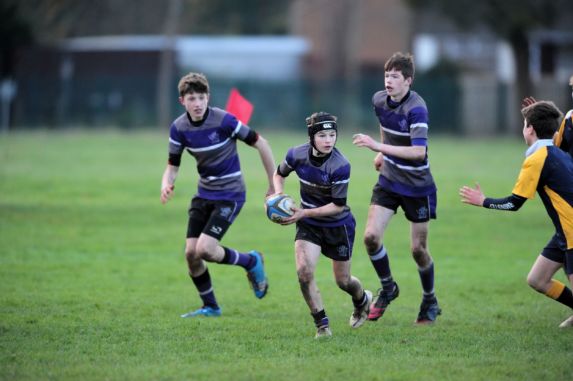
<point>404,124</point>
<point>319,185</point>
<point>214,146</point>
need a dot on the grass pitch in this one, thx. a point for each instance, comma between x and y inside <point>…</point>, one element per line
<point>94,279</point>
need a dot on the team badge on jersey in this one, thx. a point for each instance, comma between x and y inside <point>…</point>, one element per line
<point>214,137</point>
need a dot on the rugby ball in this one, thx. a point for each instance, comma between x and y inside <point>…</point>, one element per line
<point>279,207</point>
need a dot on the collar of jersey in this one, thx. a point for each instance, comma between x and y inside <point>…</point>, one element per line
<point>537,145</point>
<point>393,104</point>
<point>199,123</point>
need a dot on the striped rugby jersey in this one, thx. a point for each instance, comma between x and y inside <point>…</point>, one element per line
<point>404,124</point>
<point>214,147</point>
<point>564,138</point>
<point>549,171</point>
<point>319,185</point>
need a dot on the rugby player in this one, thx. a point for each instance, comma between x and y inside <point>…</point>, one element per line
<point>404,181</point>
<point>324,222</point>
<point>210,135</point>
<point>549,171</point>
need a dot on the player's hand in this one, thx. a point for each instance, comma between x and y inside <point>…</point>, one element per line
<point>297,215</point>
<point>378,162</point>
<point>272,195</point>
<point>362,140</point>
<point>472,196</point>
<point>167,193</point>
<point>528,101</point>
<point>269,196</point>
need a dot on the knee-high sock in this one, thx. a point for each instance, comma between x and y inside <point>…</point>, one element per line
<point>560,292</point>
<point>381,265</point>
<point>358,303</point>
<point>233,257</point>
<point>427,280</point>
<point>205,288</point>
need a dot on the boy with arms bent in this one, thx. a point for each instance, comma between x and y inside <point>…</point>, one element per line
<point>210,134</point>
<point>324,224</point>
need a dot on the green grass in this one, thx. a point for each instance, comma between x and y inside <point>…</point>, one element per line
<point>93,277</point>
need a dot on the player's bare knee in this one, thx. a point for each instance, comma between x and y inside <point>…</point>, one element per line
<point>305,276</point>
<point>191,255</point>
<point>371,241</point>
<point>205,251</point>
<point>535,283</point>
<point>201,251</point>
<point>421,255</point>
<point>343,283</point>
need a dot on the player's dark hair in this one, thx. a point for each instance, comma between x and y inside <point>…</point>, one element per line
<point>403,62</point>
<point>544,117</point>
<point>193,83</point>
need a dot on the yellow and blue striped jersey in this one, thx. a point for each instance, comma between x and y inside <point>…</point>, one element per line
<point>564,137</point>
<point>548,171</point>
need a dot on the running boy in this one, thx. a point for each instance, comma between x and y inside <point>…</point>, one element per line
<point>325,223</point>
<point>404,181</point>
<point>549,171</point>
<point>210,134</point>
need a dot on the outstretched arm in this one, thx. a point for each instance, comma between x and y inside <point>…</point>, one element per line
<point>474,196</point>
<point>264,148</point>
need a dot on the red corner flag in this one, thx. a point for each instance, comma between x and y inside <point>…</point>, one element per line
<point>239,106</point>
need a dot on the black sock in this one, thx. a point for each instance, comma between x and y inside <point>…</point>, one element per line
<point>566,297</point>
<point>233,257</point>
<point>360,302</point>
<point>320,319</point>
<point>427,280</point>
<point>205,289</point>
<point>381,265</point>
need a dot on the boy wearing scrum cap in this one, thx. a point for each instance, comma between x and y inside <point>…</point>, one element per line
<point>324,222</point>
